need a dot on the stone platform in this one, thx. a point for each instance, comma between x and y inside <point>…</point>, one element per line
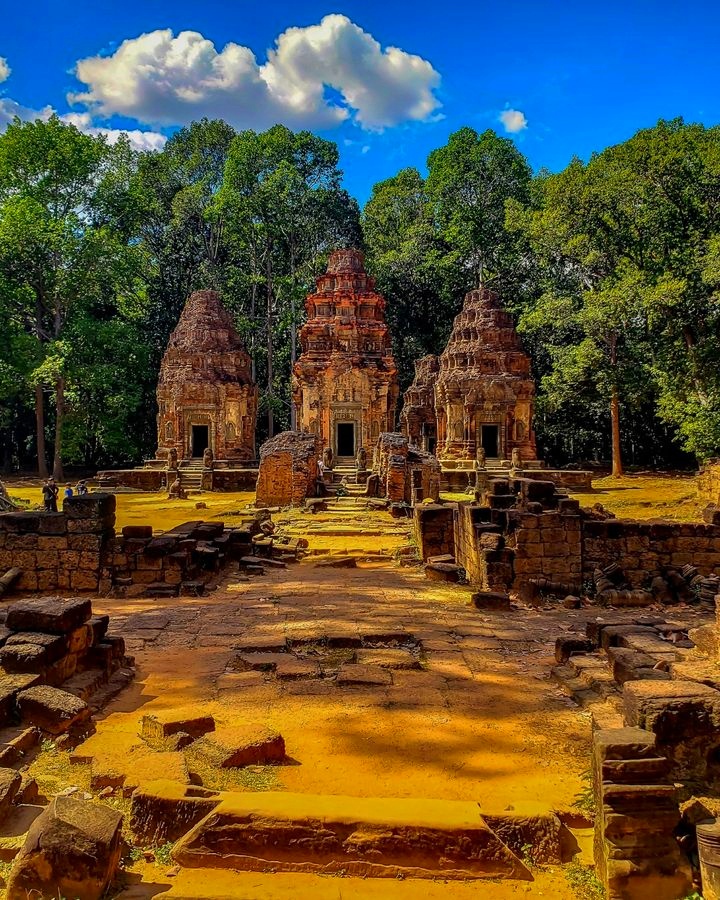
<point>456,475</point>
<point>225,475</point>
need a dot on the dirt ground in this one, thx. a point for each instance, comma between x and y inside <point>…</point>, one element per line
<point>479,719</point>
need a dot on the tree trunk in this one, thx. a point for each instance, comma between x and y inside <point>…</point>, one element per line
<point>59,416</point>
<point>617,466</point>
<point>268,322</point>
<point>40,432</point>
<point>293,339</point>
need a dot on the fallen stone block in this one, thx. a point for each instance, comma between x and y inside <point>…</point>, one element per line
<point>237,746</point>
<point>163,810</point>
<point>490,600</point>
<point>374,837</point>
<point>443,572</point>
<point>51,709</point>
<point>387,659</point>
<point>337,562</point>
<point>565,647</point>
<point>24,658</point>
<point>291,669</point>
<point>50,614</point>
<point>157,728</point>
<point>10,781</point>
<point>137,531</point>
<point>71,850</point>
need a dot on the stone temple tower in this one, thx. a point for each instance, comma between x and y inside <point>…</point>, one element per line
<point>206,396</point>
<point>484,393</point>
<point>345,386</point>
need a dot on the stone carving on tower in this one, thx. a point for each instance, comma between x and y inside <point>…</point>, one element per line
<point>479,392</point>
<point>345,386</point>
<point>207,401</point>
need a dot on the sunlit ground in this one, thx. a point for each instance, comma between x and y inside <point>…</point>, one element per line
<point>643,496</point>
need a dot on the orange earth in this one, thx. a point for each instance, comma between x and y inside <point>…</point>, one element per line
<point>479,720</point>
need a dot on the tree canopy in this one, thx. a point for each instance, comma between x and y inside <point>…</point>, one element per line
<point>611,267</point>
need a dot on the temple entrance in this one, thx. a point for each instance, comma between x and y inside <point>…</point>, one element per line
<point>490,440</point>
<point>345,439</point>
<point>199,440</point>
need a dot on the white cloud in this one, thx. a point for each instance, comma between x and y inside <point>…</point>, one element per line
<point>10,108</point>
<point>140,140</point>
<point>513,120</point>
<point>166,79</point>
<point>4,69</point>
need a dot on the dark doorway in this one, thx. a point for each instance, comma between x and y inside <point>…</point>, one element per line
<point>200,439</point>
<point>346,439</point>
<point>489,436</point>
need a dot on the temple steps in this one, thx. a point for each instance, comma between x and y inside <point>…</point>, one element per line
<point>360,836</point>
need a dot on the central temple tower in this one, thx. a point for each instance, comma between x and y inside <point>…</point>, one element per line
<point>345,386</point>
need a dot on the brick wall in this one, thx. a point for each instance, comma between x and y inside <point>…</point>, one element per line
<point>68,550</point>
<point>645,549</point>
<point>288,469</point>
<point>434,530</point>
<point>548,545</point>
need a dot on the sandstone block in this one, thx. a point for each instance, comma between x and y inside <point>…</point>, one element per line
<point>246,745</point>
<point>156,728</point>
<point>51,709</point>
<point>10,781</point>
<point>72,850</point>
<point>351,673</point>
<point>49,614</point>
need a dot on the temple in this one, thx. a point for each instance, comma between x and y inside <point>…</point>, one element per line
<point>206,396</point>
<point>345,386</point>
<point>473,405</point>
<point>478,395</point>
<point>207,408</point>
<point>484,393</point>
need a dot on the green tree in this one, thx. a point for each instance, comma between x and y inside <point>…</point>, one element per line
<point>285,209</point>
<point>469,182</point>
<point>60,257</point>
<point>413,267</point>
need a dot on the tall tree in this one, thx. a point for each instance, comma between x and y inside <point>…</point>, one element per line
<point>469,182</point>
<point>285,208</point>
<point>414,268</point>
<point>58,252</point>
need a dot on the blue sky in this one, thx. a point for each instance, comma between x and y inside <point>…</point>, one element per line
<point>577,76</point>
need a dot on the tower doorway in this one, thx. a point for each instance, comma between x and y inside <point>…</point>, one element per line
<point>490,440</point>
<point>199,440</point>
<point>345,439</point>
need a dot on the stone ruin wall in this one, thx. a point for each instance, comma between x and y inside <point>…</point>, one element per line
<point>405,475</point>
<point>288,469</point>
<point>507,548</point>
<point>68,550</point>
<point>77,550</point>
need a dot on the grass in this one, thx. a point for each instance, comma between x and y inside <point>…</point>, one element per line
<point>585,798</point>
<point>584,882</point>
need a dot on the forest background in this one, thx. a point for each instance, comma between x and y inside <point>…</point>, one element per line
<point>611,269</point>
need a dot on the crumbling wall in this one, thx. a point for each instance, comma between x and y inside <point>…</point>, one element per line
<point>636,853</point>
<point>434,530</point>
<point>646,549</point>
<point>406,475</point>
<point>68,550</point>
<point>288,469</point>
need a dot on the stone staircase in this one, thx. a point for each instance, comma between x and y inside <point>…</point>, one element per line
<point>191,474</point>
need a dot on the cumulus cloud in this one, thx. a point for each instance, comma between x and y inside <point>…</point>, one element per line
<point>140,140</point>
<point>165,79</point>
<point>4,69</point>
<point>513,120</point>
<point>10,108</point>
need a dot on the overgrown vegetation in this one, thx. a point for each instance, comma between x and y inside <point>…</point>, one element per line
<point>584,882</point>
<point>612,268</point>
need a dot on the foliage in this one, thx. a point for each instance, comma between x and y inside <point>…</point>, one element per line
<point>612,268</point>
<point>584,882</point>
